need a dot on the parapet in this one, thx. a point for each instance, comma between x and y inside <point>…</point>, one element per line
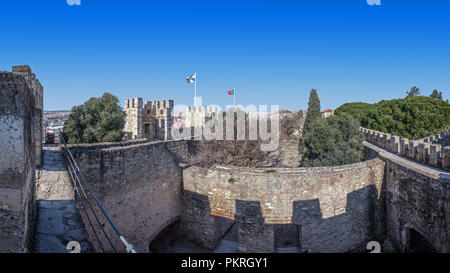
<point>427,150</point>
<point>163,104</point>
<point>134,103</point>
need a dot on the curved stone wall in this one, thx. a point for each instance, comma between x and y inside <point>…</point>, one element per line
<point>335,209</point>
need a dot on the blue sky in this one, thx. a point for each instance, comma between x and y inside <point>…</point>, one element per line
<point>272,52</point>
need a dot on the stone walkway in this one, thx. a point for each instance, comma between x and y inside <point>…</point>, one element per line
<point>59,220</point>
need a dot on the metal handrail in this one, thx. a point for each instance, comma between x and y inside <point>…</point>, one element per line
<point>76,174</point>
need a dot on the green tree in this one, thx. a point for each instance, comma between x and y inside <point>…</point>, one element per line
<point>436,95</point>
<point>412,117</point>
<point>313,109</point>
<point>358,110</point>
<point>333,141</point>
<point>97,120</point>
<point>414,91</point>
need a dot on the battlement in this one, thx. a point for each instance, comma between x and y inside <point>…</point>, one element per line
<point>148,119</point>
<point>163,104</point>
<point>135,103</point>
<point>427,150</point>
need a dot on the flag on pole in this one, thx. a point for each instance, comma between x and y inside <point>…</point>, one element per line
<point>231,92</point>
<point>191,78</point>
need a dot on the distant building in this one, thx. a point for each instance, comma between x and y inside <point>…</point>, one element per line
<point>148,120</point>
<point>327,113</point>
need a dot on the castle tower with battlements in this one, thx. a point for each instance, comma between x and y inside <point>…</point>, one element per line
<point>152,120</point>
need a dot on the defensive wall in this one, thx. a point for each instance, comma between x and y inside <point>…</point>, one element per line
<point>18,125</point>
<point>145,188</point>
<point>417,200</point>
<point>138,183</point>
<point>430,150</point>
<point>38,94</point>
<point>325,209</point>
<point>418,193</point>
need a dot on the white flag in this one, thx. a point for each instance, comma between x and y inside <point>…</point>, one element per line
<point>191,78</point>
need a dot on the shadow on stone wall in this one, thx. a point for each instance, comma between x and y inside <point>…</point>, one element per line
<point>309,231</point>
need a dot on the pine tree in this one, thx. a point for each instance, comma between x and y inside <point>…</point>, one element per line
<point>313,109</point>
<point>436,95</point>
<point>414,91</point>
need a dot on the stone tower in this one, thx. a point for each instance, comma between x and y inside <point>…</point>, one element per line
<point>133,125</point>
<point>148,120</point>
<point>38,93</point>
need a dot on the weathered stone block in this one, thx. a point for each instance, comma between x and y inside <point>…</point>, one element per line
<point>446,158</point>
<point>17,160</point>
<point>434,155</point>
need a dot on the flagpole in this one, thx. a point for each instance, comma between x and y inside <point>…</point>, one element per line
<point>195,90</point>
<point>234,98</point>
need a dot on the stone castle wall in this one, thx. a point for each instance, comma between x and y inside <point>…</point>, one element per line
<point>417,198</point>
<point>335,209</point>
<point>430,150</point>
<point>144,188</point>
<point>38,93</point>
<point>17,161</point>
<point>137,182</point>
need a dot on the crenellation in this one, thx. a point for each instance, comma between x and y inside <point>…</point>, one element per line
<point>404,146</point>
<point>446,158</point>
<point>395,144</point>
<point>150,120</point>
<point>427,150</point>
<point>434,155</point>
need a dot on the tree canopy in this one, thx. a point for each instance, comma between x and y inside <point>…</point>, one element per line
<point>333,141</point>
<point>413,117</point>
<point>357,110</point>
<point>436,95</point>
<point>414,91</point>
<point>97,120</point>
